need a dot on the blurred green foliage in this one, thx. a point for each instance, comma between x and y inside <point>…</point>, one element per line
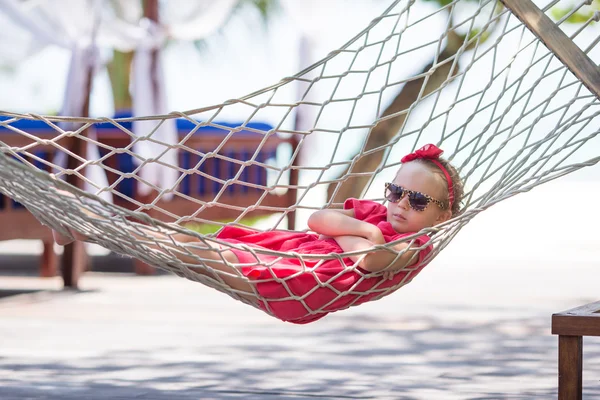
<point>578,17</point>
<point>206,229</point>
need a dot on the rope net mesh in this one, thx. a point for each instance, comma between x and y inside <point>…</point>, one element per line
<point>473,80</point>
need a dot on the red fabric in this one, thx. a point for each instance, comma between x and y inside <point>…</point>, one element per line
<point>318,285</point>
<point>429,151</point>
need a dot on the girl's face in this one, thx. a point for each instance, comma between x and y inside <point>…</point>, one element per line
<point>418,177</point>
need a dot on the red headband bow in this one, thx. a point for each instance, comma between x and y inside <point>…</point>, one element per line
<point>432,152</point>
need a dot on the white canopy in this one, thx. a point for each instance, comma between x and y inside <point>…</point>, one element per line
<point>84,27</point>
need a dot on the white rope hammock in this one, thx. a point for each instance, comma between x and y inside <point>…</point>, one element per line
<point>507,111</point>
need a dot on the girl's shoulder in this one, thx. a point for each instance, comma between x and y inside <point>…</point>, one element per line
<point>364,209</point>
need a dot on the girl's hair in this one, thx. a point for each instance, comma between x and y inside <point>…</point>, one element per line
<point>457,183</point>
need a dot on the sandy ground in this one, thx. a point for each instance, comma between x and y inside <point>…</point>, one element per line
<point>474,325</point>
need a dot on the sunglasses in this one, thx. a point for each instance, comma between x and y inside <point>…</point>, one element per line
<point>418,201</point>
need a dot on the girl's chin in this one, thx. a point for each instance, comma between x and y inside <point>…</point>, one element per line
<point>400,226</point>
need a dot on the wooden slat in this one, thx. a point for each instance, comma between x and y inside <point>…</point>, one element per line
<point>592,309</point>
<point>558,42</point>
<point>580,321</point>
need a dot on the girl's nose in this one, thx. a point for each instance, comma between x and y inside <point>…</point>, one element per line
<point>404,203</point>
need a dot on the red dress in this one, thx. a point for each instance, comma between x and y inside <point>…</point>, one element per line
<point>302,295</point>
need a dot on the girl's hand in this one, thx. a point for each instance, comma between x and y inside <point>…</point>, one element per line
<point>388,275</point>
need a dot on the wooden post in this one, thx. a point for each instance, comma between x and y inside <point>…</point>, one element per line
<point>150,12</point>
<point>75,260</point>
<point>48,260</point>
<point>558,42</point>
<point>292,193</point>
<point>570,367</point>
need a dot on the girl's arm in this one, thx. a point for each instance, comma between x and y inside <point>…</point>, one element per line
<point>377,260</point>
<point>342,223</point>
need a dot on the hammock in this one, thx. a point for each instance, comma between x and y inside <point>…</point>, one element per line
<point>511,113</point>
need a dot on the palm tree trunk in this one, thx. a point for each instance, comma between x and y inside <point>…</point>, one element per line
<point>383,132</point>
<point>119,72</point>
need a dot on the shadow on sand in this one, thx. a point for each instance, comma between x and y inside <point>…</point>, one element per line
<point>414,358</point>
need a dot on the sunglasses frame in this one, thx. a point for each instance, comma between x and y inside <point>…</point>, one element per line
<point>406,192</point>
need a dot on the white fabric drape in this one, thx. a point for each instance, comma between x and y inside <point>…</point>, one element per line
<point>187,21</point>
<point>148,93</point>
<point>49,24</point>
<point>313,17</point>
<point>193,20</point>
<point>84,63</point>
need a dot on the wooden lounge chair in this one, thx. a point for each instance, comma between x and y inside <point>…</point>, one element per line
<point>241,146</point>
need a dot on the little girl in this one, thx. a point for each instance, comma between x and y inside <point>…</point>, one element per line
<point>425,192</point>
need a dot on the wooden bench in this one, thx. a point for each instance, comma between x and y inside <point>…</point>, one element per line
<point>571,326</point>
<point>240,146</point>
<point>17,223</point>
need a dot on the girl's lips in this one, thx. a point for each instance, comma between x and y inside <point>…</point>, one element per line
<point>399,217</point>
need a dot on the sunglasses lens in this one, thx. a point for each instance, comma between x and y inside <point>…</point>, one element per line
<point>418,201</point>
<point>393,193</point>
